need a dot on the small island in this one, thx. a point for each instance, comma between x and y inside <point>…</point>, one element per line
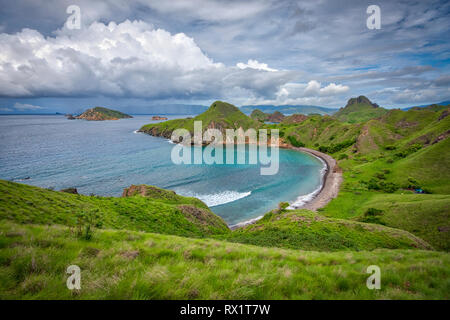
<point>159,118</point>
<point>101,113</point>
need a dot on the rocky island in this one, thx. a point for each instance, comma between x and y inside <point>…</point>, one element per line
<point>101,113</point>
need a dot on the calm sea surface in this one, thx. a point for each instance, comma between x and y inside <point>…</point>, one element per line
<point>105,157</point>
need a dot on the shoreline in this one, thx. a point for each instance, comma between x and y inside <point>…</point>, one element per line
<point>331,182</point>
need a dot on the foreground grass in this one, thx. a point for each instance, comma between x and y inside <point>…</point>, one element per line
<point>137,265</point>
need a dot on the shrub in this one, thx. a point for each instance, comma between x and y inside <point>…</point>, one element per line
<point>295,142</point>
<point>343,156</point>
<point>372,215</point>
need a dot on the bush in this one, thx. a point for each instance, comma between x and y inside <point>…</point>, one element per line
<point>390,147</point>
<point>343,156</point>
<point>372,215</point>
<point>295,142</point>
<point>337,147</point>
<point>411,149</point>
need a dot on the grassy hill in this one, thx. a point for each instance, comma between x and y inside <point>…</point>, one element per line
<point>359,110</point>
<point>145,208</point>
<point>101,113</point>
<point>136,265</point>
<point>220,115</point>
<point>302,229</point>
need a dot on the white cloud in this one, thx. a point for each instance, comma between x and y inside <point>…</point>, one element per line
<point>129,59</point>
<point>313,89</point>
<point>25,106</point>
<point>254,64</point>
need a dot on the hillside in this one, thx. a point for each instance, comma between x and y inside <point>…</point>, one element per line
<point>143,208</point>
<point>220,115</point>
<point>302,229</point>
<point>275,117</point>
<point>101,113</point>
<point>359,109</point>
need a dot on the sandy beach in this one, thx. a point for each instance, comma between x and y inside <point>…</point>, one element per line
<point>331,181</point>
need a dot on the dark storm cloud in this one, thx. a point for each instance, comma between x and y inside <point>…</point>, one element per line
<point>303,43</point>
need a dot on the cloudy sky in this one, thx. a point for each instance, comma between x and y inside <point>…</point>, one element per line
<point>139,53</point>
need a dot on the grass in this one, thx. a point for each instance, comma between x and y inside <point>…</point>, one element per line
<point>305,230</point>
<point>136,265</point>
<point>101,113</point>
<point>220,115</point>
<point>159,210</point>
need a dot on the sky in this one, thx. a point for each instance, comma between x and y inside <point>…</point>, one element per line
<point>134,54</point>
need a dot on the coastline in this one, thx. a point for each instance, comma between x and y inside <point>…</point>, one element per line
<point>332,180</point>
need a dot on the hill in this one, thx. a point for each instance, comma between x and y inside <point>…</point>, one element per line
<point>101,113</point>
<point>302,229</point>
<point>220,115</point>
<point>275,117</point>
<point>142,208</point>
<point>289,109</point>
<point>359,109</point>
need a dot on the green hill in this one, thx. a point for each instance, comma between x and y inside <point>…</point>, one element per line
<point>220,115</point>
<point>359,110</point>
<point>144,208</point>
<point>258,115</point>
<point>302,229</point>
<point>101,113</point>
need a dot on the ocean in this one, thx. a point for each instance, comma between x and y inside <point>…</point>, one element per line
<point>104,157</point>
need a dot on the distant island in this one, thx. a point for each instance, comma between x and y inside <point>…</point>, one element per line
<point>101,113</point>
<point>159,118</point>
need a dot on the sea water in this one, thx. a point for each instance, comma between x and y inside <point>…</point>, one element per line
<point>104,157</point>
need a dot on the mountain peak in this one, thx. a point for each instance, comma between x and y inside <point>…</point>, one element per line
<point>361,100</point>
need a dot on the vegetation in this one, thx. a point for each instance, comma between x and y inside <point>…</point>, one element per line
<point>152,210</point>
<point>359,110</point>
<point>101,113</point>
<point>392,211</point>
<point>220,115</point>
<point>135,265</point>
<point>302,229</point>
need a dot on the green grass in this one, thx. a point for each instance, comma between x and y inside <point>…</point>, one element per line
<point>159,211</point>
<point>424,215</point>
<point>137,265</point>
<point>302,229</point>
<point>220,115</point>
<point>102,113</point>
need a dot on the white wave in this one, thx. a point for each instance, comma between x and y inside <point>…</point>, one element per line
<point>244,223</point>
<point>304,199</point>
<point>136,131</point>
<point>212,200</point>
<point>170,141</point>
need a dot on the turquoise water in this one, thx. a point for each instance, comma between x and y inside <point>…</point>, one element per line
<point>105,157</point>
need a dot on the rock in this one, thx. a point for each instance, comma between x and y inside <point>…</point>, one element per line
<point>70,190</point>
<point>159,118</point>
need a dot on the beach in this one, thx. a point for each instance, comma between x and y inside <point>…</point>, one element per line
<point>329,189</point>
<point>331,181</point>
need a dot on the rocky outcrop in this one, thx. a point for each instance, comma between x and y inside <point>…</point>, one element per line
<point>159,118</point>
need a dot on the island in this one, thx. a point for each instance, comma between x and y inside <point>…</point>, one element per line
<point>159,118</point>
<point>101,113</point>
